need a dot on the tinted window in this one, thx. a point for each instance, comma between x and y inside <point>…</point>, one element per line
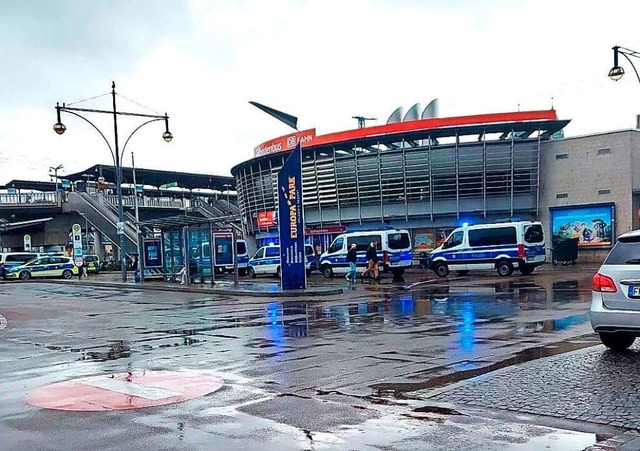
<point>624,253</point>
<point>534,234</point>
<point>241,247</point>
<point>454,239</point>
<point>336,245</point>
<point>273,251</point>
<point>259,253</point>
<point>399,241</point>
<point>64,260</point>
<point>492,237</point>
<point>363,242</point>
<point>91,258</point>
<point>20,258</point>
<point>308,250</point>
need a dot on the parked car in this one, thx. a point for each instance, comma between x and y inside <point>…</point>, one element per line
<point>503,247</point>
<point>266,260</point>
<point>394,251</point>
<point>45,266</point>
<point>93,263</point>
<point>11,259</point>
<point>615,301</point>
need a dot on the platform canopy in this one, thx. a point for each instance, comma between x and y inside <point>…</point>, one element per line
<point>30,185</point>
<point>155,177</point>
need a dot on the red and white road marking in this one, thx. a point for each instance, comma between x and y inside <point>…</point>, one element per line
<point>125,391</point>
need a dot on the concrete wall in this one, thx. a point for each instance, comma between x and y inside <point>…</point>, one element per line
<point>581,171</point>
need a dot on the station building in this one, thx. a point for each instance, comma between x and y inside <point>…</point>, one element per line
<point>432,174</point>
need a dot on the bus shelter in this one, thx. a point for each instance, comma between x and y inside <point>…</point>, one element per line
<point>184,244</point>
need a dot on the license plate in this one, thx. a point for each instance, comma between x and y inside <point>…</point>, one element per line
<point>634,292</point>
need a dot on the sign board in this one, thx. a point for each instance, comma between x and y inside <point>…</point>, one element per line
<point>152,249</point>
<point>11,191</point>
<point>66,183</point>
<point>325,230</point>
<point>139,188</point>
<point>170,185</point>
<point>223,248</point>
<point>291,223</point>
<point>120,228</point>
<point>76,239</point>
<point>27,243</point>
<point>285,143</point>
<point>266,219</point>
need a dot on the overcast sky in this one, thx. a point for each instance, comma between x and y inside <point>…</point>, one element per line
<point>321,60</point>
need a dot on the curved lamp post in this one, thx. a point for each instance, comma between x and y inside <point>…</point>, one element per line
<point>116,154</point>
<point>617,71</point>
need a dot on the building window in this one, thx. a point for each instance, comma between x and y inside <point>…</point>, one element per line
<point>604,150</point>
<point>562,195</point>
<point>604,191</point>
<point>562,156</point>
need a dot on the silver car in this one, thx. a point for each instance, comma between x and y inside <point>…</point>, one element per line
<point>615,302</point>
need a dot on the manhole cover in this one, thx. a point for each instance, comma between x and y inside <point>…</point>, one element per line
<point>124,391</point>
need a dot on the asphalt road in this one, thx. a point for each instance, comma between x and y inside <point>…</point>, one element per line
<point>343,372</point>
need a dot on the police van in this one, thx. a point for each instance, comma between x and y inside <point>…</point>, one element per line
<point>393,248</point>
<point>501,246</point>
<point>266,260</point>
<point>44,266</point>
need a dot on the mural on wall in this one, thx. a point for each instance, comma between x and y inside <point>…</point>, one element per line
<point>593,225</point>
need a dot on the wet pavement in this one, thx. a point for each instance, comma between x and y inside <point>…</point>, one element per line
<point>337,372</point>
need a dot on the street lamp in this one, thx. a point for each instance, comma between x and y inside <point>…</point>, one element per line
<point>116,154</point>
<point>55,172</point>
<point>617,71</point>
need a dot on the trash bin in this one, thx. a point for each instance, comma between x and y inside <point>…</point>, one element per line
<point>565,251</point>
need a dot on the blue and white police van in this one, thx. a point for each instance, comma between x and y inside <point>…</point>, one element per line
<point>266,260</point>
<point>393,248</point>
<point>502,247</point>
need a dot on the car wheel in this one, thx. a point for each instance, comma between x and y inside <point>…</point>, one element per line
<point>67,274</point>
<point>441,270</point>
<point>25,275</point>
<point>242,272</point>
<point>397,272</point>
<point>464,272</point>
<point>525,270</point>
<point>252,273</point>
<point>327,271</point>
<point>504,268</point>
<point>616,341</point>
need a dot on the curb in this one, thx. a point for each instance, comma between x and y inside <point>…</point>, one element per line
<point>223,291</point>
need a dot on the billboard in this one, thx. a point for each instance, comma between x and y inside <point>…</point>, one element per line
<point>291,223</point>
<point>593,225</point>
<point>152,249</point>
<point>266,219</point>
<point>285,143</point>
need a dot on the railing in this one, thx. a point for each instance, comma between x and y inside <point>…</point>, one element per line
<point>153,202</point>
<point>29,199</point>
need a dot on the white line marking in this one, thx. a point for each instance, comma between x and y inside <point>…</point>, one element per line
<point>131,388</point>
<point>3,322</point>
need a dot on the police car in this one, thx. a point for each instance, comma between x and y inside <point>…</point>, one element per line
<point>45,266</point>
<point>266,260</point>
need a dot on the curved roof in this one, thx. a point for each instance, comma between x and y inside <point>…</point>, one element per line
<point>524,123</point>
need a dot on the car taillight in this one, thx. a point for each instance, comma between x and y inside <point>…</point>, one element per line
<point>521,255</point>
<point>603,284</point>
<point>385,257</point>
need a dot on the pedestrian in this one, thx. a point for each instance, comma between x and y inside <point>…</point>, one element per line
<point>317,254</point>
<point>352,258</point>
<point>372,261</point>
<point>83,268</point>
<point>80,264</point>
<point>183,275</point>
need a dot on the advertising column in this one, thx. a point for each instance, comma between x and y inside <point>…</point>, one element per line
<point>291,223</point>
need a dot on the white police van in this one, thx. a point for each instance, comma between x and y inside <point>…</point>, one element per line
<point>500,246</point>
<point>266,260</point>
<point>393,248</point>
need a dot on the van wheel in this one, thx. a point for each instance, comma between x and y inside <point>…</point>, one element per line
<point>504,268</point>
<point>25,275</point>
<point>67,274</point>
<point>616,341</point>
<point>464,272</point>
<point>441,270</point>
<point>252,273</point>
<point>327,271</point>
<point>398,272</point>
<point>525,270</point>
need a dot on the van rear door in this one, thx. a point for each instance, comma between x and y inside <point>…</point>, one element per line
<point>534,243</point>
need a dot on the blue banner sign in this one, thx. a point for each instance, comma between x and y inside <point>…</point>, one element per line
<point>291,223</point>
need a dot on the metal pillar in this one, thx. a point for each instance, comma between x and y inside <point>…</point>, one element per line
<point>123,254</point>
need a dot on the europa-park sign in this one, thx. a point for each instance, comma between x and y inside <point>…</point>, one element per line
<point>285,143</point>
